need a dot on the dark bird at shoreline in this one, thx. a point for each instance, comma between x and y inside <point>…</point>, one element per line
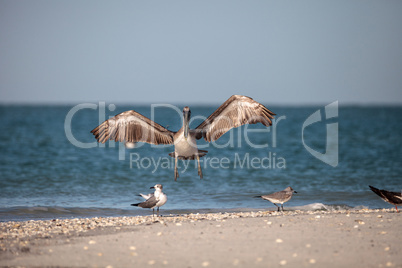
<point>393,198</point>
<point>156,199</point>
<point>132,127</point>
<point>279,197</point>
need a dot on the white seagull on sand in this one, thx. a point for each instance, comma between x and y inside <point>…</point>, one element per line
<point>156,199</point>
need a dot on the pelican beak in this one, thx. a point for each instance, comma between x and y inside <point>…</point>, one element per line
<point>153,187</point>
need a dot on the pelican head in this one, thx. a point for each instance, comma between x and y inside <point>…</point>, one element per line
<point>186,120</point>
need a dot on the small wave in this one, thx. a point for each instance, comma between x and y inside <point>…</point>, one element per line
<point>46,213</point>
<point>321,206</point>
<point>48,209</point>
<point>313,206</point>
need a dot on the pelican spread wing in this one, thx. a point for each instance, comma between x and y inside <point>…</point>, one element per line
<point>236,111</point>
<point>131,126</point>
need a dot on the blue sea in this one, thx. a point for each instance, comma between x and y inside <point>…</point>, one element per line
<point>52,167</point>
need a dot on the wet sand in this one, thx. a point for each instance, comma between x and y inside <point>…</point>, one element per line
<point>355,238</point>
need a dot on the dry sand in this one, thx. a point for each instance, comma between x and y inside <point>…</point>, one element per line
<point>361,238</point>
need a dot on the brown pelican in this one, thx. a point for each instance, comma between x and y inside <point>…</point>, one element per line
<point>393,198</point>
<point>132,127</point>
<point>156,199</point>
<point>279,197</point>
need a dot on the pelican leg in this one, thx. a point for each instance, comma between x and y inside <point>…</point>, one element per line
<point>176,172</point>
<point>153,212</point>
<point>282,207</point>
<point>157,212</point>
<point>277,206</point>
<point>199,167</point>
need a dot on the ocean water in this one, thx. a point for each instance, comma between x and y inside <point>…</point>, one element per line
<point>51,166</point>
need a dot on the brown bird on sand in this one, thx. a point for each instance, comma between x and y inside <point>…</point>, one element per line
<point>279,197</point>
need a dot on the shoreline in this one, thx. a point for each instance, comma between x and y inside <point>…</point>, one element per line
<point>43,213</point>
<point>364,238</point>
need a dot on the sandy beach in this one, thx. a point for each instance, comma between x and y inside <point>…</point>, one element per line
<point>348,238</point>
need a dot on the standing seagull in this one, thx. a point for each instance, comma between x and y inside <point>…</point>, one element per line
<point>393,198</point>
<point>279,197</point>
<point>157,199</point>
<point>132,127</point>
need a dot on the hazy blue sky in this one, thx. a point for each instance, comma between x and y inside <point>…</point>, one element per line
<point>278,52</point>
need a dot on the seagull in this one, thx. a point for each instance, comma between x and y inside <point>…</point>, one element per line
<point>156,199</point>
<point>393,198</point>
<point>279,197</point>
<point>132,127</point>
